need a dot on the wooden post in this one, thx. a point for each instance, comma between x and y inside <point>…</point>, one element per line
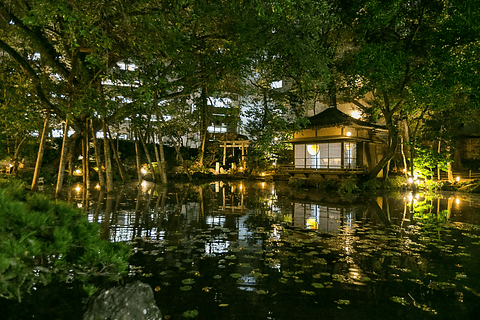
<point>224,152</point>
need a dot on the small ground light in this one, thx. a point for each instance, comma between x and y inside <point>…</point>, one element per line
<point>457,200</point>
<point>263,174</point>
<point>143,170</point>
<point>78,188</point>
<point>349,133</point>
<point>457,179</point>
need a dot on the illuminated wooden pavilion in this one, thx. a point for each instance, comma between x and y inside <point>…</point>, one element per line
<point>336,143</point>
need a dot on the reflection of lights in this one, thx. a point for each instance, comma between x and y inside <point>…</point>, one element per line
<point>349,133</point>
<point>457,179</point>
<point>275,163</point>
<point>410,197</point>
<point>312,149</point>
<point>144,183</point>
<point>312,224</point>
<point>79,205</point>
<point>410,180</point>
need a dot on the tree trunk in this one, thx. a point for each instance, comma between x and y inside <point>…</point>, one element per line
<point>162,167</point>
<point>405,165</point>
<point>439,177</point>
<point>63,160</point>
<point>147,154</point>
<point>204,122</point>
<point>449,165</point>
<point>108,162</point>
<point>15,155</point>
<point>182,161</point>
<point>41,149</point>
<point>121,170</point>
<point>86,156</point>
<point>96,148</point>
<point>393,137</point>
<point>137,156</point>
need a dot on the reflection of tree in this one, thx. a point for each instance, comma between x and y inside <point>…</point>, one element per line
<point>426,207</point>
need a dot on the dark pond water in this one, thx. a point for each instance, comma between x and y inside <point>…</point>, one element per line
<point>259,250</point>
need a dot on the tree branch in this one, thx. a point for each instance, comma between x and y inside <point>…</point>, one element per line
<point>46,49</point>
<point>29,71</point>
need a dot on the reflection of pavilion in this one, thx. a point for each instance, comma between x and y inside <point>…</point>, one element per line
<point>232,197</point>
<point>323,218</point>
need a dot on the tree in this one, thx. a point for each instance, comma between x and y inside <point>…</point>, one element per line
<point>20,114</point>
<point>398,57</point>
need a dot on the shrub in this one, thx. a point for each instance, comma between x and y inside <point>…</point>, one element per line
<point>348,187</point>
<point>38,231</point>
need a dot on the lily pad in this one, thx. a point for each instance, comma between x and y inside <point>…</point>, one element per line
<point>186,288</point>
<point>190,314</point>
<point>188,281</point>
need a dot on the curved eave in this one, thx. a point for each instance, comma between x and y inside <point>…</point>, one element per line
<point>329,139</point>
<point>351,125</point>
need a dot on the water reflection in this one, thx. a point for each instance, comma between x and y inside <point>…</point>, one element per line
<point>258,249</point>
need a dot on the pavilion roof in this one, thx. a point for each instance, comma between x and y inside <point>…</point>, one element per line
<point>332,117</point>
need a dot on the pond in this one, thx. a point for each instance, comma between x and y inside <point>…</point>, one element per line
<point>262,250</point>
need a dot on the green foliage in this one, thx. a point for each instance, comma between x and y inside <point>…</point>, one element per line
<point>309,183</point>
<point>37,232</point>
<point>394,183</point>
<point>349,188</point>
<point>426,160</point>
<point>371,185</point>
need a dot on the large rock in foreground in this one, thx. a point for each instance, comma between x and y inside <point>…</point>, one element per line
<point>133,301</point>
